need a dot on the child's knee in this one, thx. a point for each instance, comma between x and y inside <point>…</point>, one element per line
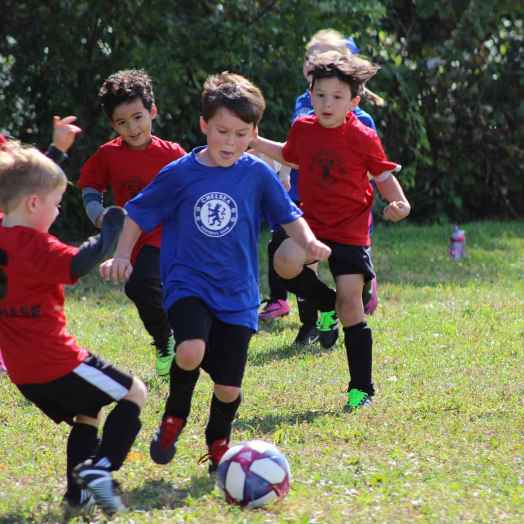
<point>189,354</point>
<point>227,393</point>
<point>137,393</point>
<point>88,421</point>
<point>350,309</point>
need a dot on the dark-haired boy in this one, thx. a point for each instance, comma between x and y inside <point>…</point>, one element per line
<point>65,381</point>
<point>335,152</point>
<point>212,202</point>
<point>126,165</point>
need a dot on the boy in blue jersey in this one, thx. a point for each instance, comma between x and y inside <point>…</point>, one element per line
<point>212,202</point>
<point>312,328</point>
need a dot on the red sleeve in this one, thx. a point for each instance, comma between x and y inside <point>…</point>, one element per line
<point>179,151</point>
<point>376,159</point>
<point>95,172</point>
<point>51,259</point>
<point>291,149</point>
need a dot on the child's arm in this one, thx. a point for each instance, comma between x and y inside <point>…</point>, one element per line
<point>64,134</point>
<point>301,233</point>
<point>271,149</point>
<point>390,189</point>
<point>119,268</point>
<point>99,247</point>
<point>93,204</point>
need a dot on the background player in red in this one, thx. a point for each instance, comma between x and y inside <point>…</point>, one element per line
<point>335,152</point>
<point>62,379</point>
<point>125,165</point>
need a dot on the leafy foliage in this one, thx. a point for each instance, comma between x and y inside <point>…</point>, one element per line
<point>451,75</point>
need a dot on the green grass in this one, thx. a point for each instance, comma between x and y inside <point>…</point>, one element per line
<point>443,442</point>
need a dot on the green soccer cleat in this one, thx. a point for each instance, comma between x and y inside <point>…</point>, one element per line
<point>327,326</point>
<point>357,399</point>
<point>164,358</point>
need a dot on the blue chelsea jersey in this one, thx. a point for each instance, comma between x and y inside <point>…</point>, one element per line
<point>211,219</point>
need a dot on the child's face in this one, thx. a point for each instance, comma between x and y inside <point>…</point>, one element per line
<point>332,100</point>
<point>44,208</point>
<point>132,121</point>
<point>228,137</point>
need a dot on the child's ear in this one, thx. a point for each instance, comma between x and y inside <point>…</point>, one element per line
<point>153,112</point>
<point>31,203</point>
<point>354,102</point>
<point>203,125</point>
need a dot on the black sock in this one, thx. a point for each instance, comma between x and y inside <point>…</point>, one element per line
<point>182,385</point>
<point>277,289</point>
<point>120,430</point>
<point>82,443</point>
<point>359,342</point>
<point>307,312</point>
<point>221,415</point>
<point>307,285</point>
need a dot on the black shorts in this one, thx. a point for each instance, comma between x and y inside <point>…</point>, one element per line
<point>346,259</point>
<point>226,344</point>
<point>84,391</point>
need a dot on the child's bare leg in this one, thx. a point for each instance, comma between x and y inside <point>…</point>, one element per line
<point>290,263</point>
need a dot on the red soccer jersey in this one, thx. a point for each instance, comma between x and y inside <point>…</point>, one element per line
<point>126,172</point>
<point>333,184</point>
<point>35,344</point>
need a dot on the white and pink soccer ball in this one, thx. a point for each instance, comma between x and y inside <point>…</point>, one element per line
<point>253,474</point>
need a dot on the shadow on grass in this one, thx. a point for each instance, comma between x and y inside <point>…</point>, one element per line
<point>267,424</point>
<point>287,351</point>
<point>152,494</point>
<point>161,494</point>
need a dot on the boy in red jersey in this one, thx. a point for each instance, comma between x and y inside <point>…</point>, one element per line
<point>64,134</point>
<point>62,379</point>
<point>126,165</point>
<point>335,152</point>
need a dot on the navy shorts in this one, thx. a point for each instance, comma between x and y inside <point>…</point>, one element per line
<point>226,344</point>
<point>92,385</point>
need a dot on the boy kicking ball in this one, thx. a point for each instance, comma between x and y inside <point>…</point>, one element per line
<point>211,204</point>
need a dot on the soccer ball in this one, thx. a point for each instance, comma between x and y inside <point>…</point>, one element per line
<point>253,474</point>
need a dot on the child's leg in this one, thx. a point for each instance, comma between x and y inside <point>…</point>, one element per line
<point>351,265</point>
<point>191,322</point>
<point>357,335</point>
<point>82,444</point>
<point>144,288</point>
<point>277,305</point>
<point>121,428</point>
<point>224,406</point>
<point>277,290</point>
<point>225,361</point>
<point>290,261</point>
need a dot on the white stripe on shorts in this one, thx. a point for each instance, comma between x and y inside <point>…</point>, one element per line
<point>100,380</point>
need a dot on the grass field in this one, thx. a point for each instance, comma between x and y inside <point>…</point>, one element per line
<point>443,442</point>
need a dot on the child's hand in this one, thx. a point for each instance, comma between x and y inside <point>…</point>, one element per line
<point>64,132</point>
<point>317,250</point>
<point>117,269</point>
<point>396,211</point>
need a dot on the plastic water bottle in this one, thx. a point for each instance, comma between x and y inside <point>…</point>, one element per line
<point>457,242</point>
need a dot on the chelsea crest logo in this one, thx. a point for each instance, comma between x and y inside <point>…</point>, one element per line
<point>216,214</point>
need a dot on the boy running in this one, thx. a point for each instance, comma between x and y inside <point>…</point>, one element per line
<point>335,152</point>
<point>211,204</point>
<point>126,165</point>
<point>63,380</point>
